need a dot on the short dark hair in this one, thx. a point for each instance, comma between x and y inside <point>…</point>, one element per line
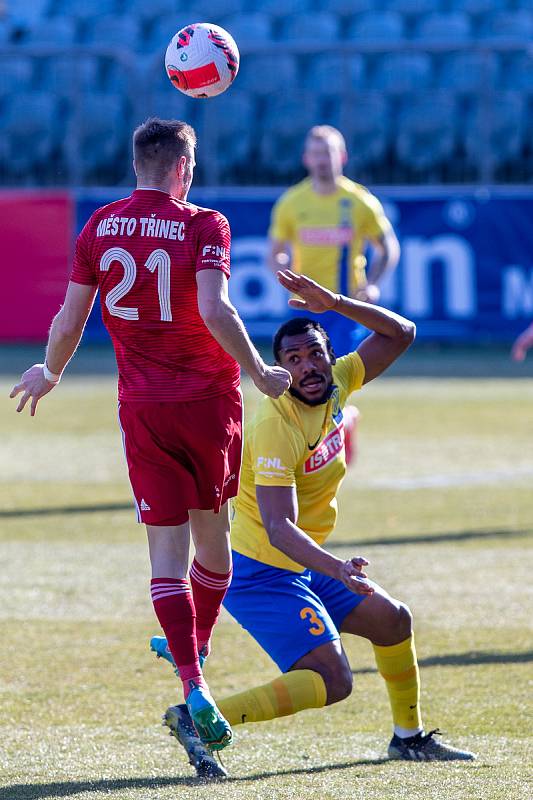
<point>159,143</point>
<point>298,325</point>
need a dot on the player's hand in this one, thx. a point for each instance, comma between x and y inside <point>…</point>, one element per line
<point>352,576</point>
<point>314,297</point>
<point>33,385</point>
<point>369,293</point>
<point>273,381</point>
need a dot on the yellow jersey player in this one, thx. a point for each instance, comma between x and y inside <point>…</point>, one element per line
<point>322,226</point>
<point>289,593</point>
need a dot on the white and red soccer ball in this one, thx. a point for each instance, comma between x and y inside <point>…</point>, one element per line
<point>202,60</point>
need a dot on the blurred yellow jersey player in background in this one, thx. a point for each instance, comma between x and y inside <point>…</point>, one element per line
<point>322,226</point>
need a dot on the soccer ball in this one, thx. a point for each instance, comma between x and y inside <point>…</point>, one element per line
<point>202,60</point>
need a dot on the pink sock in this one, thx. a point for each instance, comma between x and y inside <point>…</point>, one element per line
<point>208,590</point>
<point>174,607</point>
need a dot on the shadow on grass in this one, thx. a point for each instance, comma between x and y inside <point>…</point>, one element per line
<point>34,791</point>
<point>436,538</point>
<point>469,659</point>
<point>12,513</point>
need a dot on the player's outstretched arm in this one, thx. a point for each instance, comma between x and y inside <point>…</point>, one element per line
<point>279,511</point>
<point>65,334</point>
<point>225,325</point>
<point>392,333</point>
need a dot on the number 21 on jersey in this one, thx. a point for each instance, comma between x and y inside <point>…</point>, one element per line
<point>158,260</point>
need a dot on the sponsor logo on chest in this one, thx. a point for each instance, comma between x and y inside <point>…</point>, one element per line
<point>334,236</point>
<point>330,447</point>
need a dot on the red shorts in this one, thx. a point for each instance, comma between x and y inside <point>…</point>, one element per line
<point>182,455</point>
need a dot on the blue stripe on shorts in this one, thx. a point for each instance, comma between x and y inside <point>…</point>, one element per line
<point>287,613</point>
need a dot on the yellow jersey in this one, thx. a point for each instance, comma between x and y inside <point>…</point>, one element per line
<point>289,443</point>
<point>327,233</point>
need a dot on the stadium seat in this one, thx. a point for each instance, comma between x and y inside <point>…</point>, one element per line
<point>347,8</point>
<point>478,7</point>
<point>320,27</point>
<point>146,11</point>
<point>453,28</point>
<point>212,10</point>
<point>168,104</point>
<point>516,25</point>
<point>387,26</point>
<point>403,72</point>
<point>496,132</point>
<point>279,8</point>
<point>332,73</point>
<point>425,134</point>
<point>249,28</point>
<point>469,71</point>
<point>519,73</point>
<point>102,133</point>
<point>413,7</point>
<point>66,74</point>
<point>112,30</point>
<point>29,128</point>
<point>287,120</point>
<point>84,10</point>
<point>231,124</point>
<point>265,74</point>
<point>26,12</point>
<point>367,133</point>
<point>56,31</point>
<point>16,71</point>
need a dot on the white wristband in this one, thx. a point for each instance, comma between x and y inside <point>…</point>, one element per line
<point>51,377</point>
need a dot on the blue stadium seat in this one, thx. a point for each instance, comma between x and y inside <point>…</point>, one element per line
<point>249,28</point>
<point>332,73</point>
<point>265,74</point>
<point>387,26</point>
<point>168,104</point>
<point>367,134</point>
<point>232,122</point>
<point>347,8</point>
<point>30,130</point>
<point>516,25</point>
<point>497,132</point>
<point>287,120</point>
<point>85,9</point>
<point>103,135</point>
<point>413,7</point>
<point>469,72</point>
<point>320,27</point>
<point>453,28</point>
<point>403,72</point>
<point>57,31</point>
<point>143,10</point>
<point>112,30</point>
<point>519,74</point>
<point>27,12</point>
<point>67,74</point>
<point>212,10</point>
<point>279,8</point>
<point>478,7</point>
<point>16,71</point>
<point>425,135</point>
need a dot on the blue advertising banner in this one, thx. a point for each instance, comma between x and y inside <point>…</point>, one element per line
<point>466,270</point>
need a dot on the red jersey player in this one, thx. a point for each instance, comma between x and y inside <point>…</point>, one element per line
<point>162,266</point>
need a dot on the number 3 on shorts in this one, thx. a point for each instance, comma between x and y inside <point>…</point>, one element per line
<point>316,626</point>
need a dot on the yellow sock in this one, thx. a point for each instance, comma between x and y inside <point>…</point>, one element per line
<point>397,664</point>
<point>291,692</point>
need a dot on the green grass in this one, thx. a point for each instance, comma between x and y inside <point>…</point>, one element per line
<point>441,505</point>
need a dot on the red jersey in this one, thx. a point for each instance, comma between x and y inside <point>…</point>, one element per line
<point>143,253</point>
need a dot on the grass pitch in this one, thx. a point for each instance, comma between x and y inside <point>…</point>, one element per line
<point>440,503</point>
